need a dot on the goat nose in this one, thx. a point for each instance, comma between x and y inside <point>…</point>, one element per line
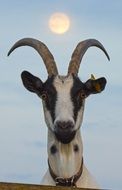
<point>64,125</point>
<point>64,131</point>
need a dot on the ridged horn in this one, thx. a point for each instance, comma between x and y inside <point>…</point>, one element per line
<point>79,52</point>
<point>43,51</point>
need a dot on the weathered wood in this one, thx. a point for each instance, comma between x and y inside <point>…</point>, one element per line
<point>18,186</point>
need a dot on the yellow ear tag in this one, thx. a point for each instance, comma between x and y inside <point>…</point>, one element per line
<point>96,85</point>
<point>92,77</point>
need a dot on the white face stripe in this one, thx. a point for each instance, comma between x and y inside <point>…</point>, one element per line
<point>64,105</point>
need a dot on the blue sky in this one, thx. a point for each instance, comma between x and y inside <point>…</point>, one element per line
<point>23,133</point>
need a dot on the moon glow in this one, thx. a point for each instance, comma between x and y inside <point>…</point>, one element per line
<point>59,23</point>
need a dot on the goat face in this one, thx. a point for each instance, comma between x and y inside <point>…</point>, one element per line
<point>63,97</point>
<point>63,101</point>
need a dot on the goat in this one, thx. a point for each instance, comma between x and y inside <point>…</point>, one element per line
<point>63,99</point>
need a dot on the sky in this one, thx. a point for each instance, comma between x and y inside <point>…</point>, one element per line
<point>23,132</point>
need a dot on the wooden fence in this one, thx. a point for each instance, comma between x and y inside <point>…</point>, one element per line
<point>18,186</point>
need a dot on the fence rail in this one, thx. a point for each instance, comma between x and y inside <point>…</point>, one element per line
<point>18,186</point>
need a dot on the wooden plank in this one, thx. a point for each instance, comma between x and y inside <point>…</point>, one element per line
<point>18,186</point>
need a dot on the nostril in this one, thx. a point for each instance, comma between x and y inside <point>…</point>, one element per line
<point>63,125</point>
<point>67,125</point>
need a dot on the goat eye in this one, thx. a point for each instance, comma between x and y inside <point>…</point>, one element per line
<point>82,95</point>
<point>44,96</point>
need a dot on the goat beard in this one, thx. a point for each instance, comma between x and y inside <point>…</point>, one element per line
<point>65,137</point>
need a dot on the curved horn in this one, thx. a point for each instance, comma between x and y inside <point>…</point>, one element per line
<point>79,53</point>
<point>43,51</point>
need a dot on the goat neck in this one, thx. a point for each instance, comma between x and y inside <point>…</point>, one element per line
<point>65,159</point>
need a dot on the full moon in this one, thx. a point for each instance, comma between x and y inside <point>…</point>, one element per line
<point>59,23</point>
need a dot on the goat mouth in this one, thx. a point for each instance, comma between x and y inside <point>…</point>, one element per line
<point>65,137</point>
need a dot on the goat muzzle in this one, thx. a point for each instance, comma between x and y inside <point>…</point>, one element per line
<point>64,131</point>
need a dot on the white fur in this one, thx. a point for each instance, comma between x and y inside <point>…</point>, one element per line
<point>64,106</point>
<point>66,162</point>
<point>48,118</point>
<point>79,117</point>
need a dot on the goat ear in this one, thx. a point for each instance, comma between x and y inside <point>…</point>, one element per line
<point>31,83</point>
<point>94,86</point>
